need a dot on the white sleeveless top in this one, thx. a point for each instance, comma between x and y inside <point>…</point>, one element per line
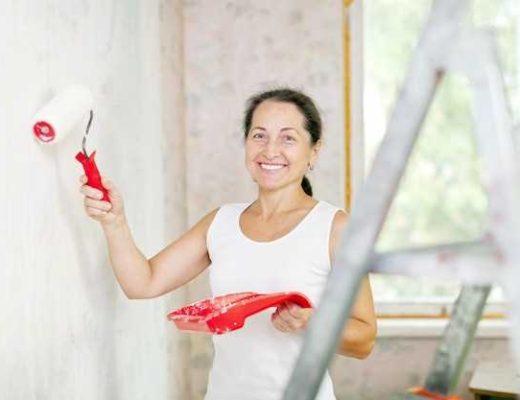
<point>255,362</point>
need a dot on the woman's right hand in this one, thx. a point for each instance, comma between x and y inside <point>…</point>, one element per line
<point>109,214</point>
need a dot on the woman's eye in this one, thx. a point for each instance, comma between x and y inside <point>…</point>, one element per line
<point>258,135</point>
<point>289,139</point>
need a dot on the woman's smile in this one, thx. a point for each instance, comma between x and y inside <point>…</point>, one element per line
<point>271,167</point>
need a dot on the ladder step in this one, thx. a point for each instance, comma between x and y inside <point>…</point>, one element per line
<point>469,262</point>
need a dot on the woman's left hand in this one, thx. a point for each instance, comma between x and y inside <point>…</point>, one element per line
<point>291,318</point>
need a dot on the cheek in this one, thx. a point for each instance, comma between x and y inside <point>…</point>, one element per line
<point>250,153</point>
<point>299,155</point>
<point>253,149</point>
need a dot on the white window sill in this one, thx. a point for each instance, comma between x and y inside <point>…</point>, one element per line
<point>434,328</point>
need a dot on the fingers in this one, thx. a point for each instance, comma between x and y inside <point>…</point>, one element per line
<point>97,209</point>
<point>290,318</point>
<point>293,310</point>
<point>94,206</point>
<point>279,324</point>
<point>97,204</point>
<point>108,213</point>
<point>91,192</point>
<point>94,193</point>
<point>95,212</point>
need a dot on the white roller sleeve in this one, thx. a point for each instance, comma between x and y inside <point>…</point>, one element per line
<point>57,119</point>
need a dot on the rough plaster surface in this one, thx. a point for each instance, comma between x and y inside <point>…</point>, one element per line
<point>66,330</point>
<point>236,48</point>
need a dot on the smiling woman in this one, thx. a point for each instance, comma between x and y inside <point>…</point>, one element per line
<point>283,241</point>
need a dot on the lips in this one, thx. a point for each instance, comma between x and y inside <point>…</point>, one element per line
<point>271,167</point>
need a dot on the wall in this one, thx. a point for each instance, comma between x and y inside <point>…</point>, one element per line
<point>66,330</point>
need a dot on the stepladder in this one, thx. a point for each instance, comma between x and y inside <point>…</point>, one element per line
<point>445,47</point>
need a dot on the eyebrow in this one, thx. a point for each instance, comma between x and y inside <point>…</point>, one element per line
<point>288,128</point>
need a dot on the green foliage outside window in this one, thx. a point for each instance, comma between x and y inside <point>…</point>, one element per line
<point>441,198</point>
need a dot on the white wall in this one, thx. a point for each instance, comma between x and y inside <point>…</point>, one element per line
<point>66,330</point>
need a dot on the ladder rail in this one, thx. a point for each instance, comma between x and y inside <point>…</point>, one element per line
<point>456,341</point>
<point>469,262</point>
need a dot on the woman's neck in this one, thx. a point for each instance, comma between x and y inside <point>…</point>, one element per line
<point>270,203</point>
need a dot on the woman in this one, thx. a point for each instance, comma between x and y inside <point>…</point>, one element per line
<point>283,241</point>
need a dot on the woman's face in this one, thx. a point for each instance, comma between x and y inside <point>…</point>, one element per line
<point>278,147</point>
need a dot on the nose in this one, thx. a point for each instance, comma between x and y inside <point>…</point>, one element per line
<point>272,149</point>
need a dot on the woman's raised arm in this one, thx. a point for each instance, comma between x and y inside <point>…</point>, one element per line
<point>140,278</point>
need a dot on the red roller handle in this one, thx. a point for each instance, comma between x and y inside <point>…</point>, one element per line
<point>92,172</point>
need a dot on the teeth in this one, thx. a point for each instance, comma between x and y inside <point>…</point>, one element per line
<point>271,167</point>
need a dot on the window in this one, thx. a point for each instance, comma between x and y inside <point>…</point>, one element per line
<point>440,198</point>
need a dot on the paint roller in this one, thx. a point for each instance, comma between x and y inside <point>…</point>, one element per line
<point>59,118</point>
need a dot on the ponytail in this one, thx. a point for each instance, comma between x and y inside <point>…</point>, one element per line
<point>306,186</point>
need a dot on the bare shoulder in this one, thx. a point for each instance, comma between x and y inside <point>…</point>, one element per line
<point>338,226</point>
<point>204,223</point>
<point>208,218</point>
<point>340,220</point>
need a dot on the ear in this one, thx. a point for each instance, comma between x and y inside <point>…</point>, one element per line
<point>315,151</point>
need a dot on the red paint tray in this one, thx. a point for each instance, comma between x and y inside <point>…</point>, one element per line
<point>227,313</point>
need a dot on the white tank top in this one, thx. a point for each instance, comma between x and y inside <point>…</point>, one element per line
<point>255,362</point>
